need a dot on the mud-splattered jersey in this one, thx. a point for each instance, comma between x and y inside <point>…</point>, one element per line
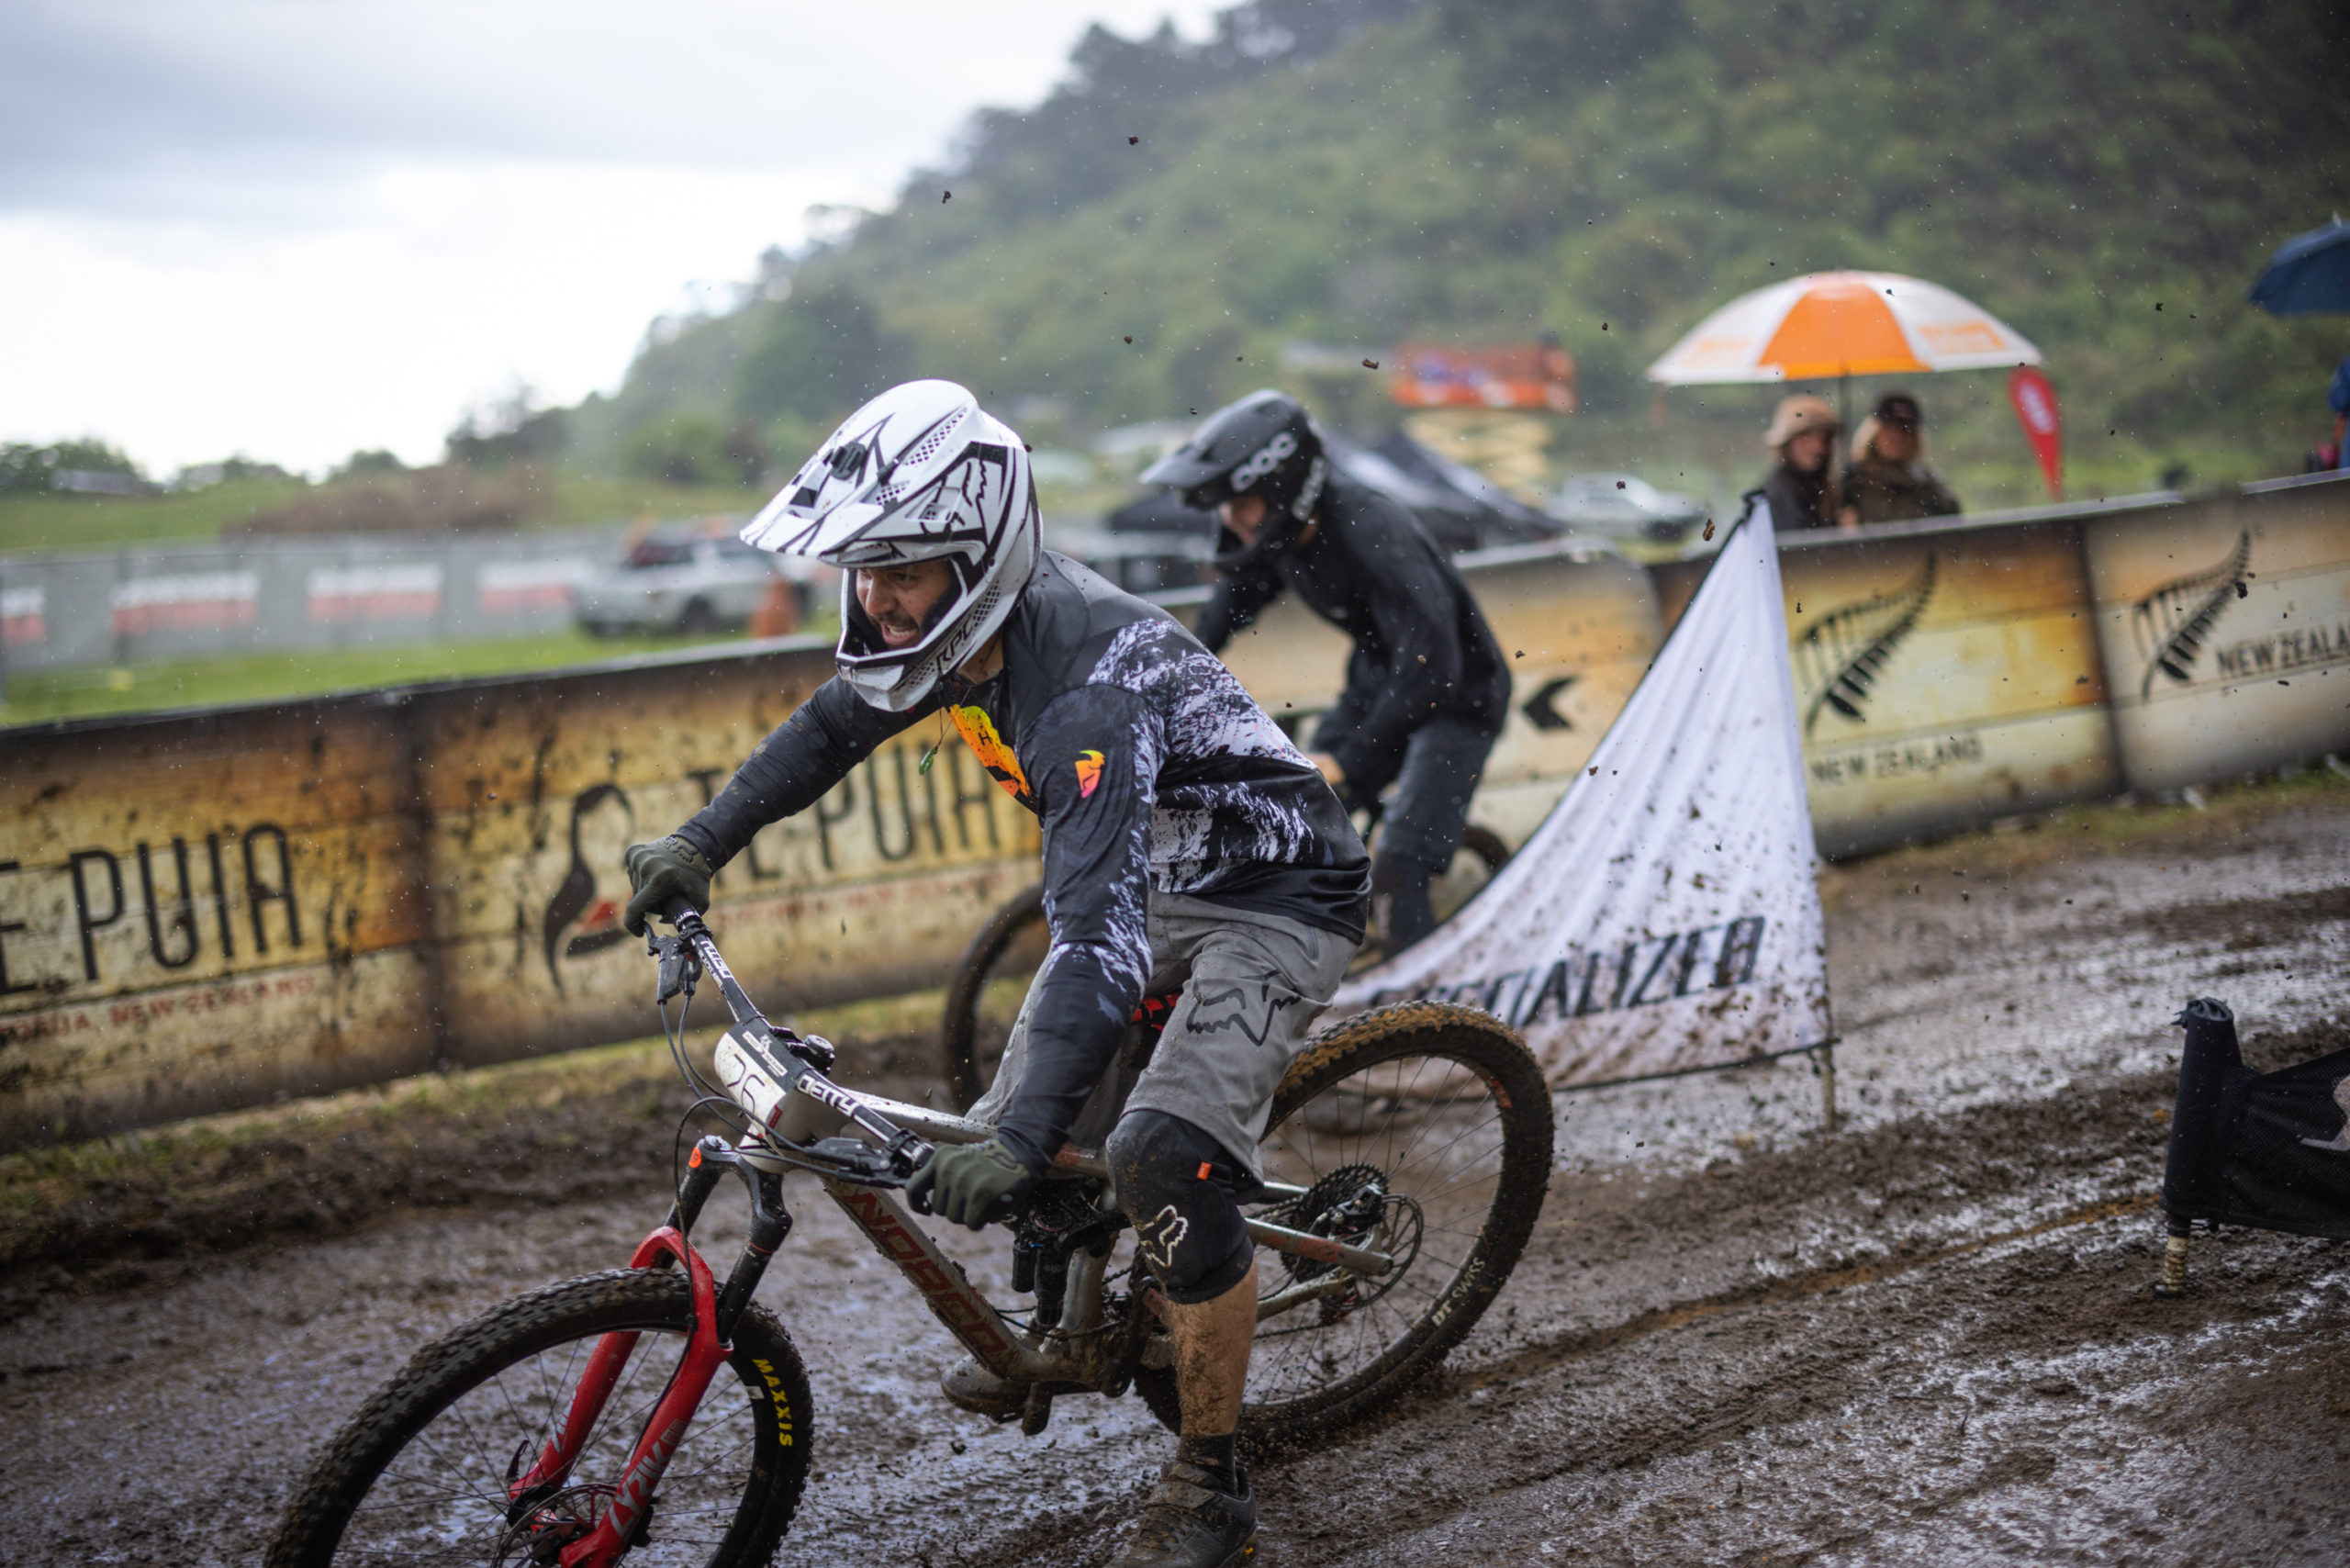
<point>1147,764</point>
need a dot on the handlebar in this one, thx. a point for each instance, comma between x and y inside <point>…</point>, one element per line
<point>788,1065</point>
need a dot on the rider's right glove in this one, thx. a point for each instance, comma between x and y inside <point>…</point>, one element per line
<point>969,1183</point>
<point>671,868</point>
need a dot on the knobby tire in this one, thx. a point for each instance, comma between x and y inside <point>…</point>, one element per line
<point>658,1301</point>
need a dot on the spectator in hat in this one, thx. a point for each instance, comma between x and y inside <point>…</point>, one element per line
<point>1888,480</point>
<point>1802,490</point>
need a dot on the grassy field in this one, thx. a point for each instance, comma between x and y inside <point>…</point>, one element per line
<point>102,522</point>
<point>247,677</point>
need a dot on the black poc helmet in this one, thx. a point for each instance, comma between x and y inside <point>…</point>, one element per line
<point>1265,444</point>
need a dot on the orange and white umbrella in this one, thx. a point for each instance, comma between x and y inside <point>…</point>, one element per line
<point>1827,325</point>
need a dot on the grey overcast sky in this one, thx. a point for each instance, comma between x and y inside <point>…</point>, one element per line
<point>296,228</point>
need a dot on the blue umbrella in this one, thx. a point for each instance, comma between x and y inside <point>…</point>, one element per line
<point>2308,274</point>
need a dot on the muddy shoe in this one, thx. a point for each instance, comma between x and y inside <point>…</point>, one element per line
<point>1188,1523</point>
<point>980,1391</point>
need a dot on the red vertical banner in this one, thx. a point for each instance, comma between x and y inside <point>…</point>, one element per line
<point>2043,423</point>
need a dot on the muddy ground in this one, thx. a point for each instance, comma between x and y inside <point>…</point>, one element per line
<point>1927,1338</point>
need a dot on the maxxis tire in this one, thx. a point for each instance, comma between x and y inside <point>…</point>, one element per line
<point>1485,1043</point>
<point>959,1024</point>
<point>442,1372</point>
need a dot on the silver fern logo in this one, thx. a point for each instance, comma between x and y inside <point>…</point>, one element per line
<point>1845,652</point>
<point>2172,623</point>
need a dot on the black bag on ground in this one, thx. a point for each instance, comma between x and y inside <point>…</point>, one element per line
<point>2265,1149</point>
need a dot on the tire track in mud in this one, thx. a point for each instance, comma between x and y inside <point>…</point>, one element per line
<point>1924,1337</point>
<point>1779,1291</point>
<point>1927,1340</point>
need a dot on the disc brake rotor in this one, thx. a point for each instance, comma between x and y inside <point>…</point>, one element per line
<point>1345,1205</point>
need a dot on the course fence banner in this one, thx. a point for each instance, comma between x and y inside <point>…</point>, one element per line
<point>2223,625</point>
<point>207,912</point>
<point>532,795</point>
<point>1665,917</point>
<point>1945,673</point>
<point>204,911</point>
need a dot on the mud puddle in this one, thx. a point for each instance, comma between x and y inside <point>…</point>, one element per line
<point>1926,1340</point>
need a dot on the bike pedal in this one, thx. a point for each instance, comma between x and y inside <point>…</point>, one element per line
<point>1038,1413</point>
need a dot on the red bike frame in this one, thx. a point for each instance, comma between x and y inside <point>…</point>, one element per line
<point>876,1212</point>
<point>664,1431</point>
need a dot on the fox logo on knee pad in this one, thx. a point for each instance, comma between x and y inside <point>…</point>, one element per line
<point>1159,1236</point>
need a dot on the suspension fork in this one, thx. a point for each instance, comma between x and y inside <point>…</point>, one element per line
<point>715,1314</point>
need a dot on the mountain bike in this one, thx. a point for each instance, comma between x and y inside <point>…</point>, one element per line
<point>659,1414</point>
<point>976,1021</point>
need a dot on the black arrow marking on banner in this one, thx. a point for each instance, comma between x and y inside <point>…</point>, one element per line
<point>1538,708</point>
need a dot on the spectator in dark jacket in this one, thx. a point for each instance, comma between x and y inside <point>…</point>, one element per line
<point>1802,490</point>
<point>1888,481</point>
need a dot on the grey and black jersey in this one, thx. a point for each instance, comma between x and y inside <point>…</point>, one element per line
<point>1148,766</point>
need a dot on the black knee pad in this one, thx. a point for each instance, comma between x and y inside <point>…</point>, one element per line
<point>1182,1192</point>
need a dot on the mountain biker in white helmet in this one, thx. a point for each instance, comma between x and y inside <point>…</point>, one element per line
<point>1186,842</point>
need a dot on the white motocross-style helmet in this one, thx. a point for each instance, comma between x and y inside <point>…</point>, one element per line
<point>920,473</point>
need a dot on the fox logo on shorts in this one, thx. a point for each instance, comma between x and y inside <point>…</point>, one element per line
<point>1158,1237</point>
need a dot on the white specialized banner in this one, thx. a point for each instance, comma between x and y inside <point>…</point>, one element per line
<point>1665,917</point>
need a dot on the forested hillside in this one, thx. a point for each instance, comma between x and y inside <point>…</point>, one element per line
<point>2107,178</point>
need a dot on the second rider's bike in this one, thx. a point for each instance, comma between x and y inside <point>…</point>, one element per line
<point>659,1413</point>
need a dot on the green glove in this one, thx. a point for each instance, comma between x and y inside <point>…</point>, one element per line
<point>963,1183</point>
<point>659,872</point>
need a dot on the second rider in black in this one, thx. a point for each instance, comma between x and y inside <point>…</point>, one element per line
<point>1426,689</point>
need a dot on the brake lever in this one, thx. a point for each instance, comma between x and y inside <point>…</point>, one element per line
<point>680,967</point>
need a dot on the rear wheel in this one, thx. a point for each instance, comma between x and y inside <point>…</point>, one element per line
<point>421,1474</point>
<point>1423,1131</point>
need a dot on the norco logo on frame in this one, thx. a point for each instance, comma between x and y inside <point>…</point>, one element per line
<point>967,1315</point>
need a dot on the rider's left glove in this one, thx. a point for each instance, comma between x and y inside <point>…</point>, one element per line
<point>671,868</point>
<point>968,1183</point>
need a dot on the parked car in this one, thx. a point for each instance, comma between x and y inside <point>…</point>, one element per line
<point>678,581</point>
<point>1625,505</point>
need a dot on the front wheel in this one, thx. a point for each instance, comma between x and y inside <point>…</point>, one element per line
<point>1421,1130</point>
<point>421,1474</point>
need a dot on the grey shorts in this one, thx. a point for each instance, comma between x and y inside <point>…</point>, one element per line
<point>1251,983</point>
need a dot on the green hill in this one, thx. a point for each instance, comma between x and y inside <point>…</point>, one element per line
<point>2108,179</point>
